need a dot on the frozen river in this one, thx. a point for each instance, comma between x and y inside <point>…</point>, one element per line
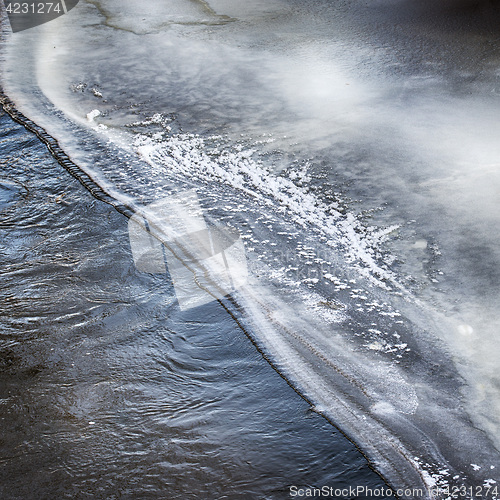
<point>353,149</point>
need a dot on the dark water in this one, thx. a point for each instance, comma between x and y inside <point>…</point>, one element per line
<point>108,390</point>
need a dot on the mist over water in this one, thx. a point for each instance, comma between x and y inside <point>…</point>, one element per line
<point>355,147</point>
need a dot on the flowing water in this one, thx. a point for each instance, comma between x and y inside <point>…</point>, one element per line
<point>354,148</point>
<point>108,390</point>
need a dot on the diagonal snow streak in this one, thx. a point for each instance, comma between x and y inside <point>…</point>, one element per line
<point>202,160</point>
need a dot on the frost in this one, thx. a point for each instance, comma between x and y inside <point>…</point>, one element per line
<point>203,159</point>
<point>93,115</point>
